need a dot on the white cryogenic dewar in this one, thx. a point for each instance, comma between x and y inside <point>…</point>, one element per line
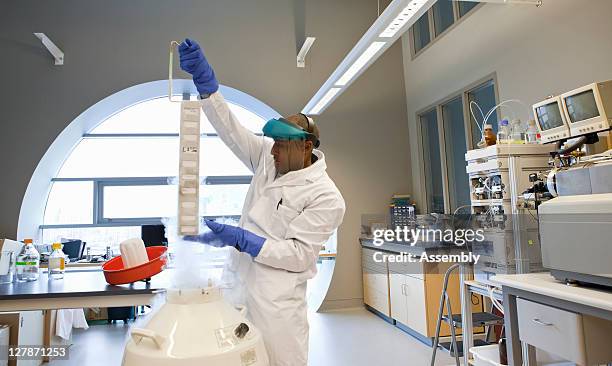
<point>196,327</point>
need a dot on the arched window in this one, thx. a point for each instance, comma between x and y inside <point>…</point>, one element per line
<point>119,175</point>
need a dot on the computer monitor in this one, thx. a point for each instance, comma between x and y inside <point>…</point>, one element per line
<point>588,109</point>
<point>153,235</point>
<point>73,248</point>
<point>550,120</point>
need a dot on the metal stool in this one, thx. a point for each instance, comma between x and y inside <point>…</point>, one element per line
<point>480,319</point>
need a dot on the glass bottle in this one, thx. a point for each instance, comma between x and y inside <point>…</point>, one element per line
<point>531,135</point>
<point>28,262</point>
<point>518,132</point>
<point>503,132</point>
<point>57,262</point>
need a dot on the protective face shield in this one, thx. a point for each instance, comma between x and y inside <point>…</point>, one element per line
<point>289,145</point>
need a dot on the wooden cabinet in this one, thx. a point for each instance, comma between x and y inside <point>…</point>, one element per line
<point>410,292</point>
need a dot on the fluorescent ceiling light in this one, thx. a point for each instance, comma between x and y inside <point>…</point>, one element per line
<point>520,2</point>
<point>404,16</point>
<point>368,49</point>
<point>323,102</point>
<point>360,62</point>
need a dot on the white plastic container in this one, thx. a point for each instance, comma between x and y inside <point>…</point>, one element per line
<point>486,355</point>
<point>133,253</point>
<point>489,356</point>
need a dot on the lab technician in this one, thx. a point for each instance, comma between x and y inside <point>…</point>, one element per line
<point>291,209</point>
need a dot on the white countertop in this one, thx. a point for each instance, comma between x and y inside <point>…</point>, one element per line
<point>545,284</point>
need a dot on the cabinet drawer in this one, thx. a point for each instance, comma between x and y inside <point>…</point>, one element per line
<point>376,281</point>
<point>367,259</point>
<point>408,268</point>
<point>551,329</point>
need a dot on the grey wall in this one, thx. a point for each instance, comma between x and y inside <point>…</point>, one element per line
<point>111,45</point>
<point>534,52</point>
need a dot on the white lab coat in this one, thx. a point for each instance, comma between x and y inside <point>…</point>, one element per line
<point>296,213</point>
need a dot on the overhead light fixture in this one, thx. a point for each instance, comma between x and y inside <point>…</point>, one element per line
<point>323,102</point>
<point>397,18</point>
<point>404,16</point>
<point>520,2</point>
<point>360,63</point>
<point>390,25</point>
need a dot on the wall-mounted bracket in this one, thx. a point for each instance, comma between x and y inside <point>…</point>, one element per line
<point>301,56</point>
<point>57,54</point>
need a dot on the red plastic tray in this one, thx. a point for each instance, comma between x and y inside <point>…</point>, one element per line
<point>115,274</point>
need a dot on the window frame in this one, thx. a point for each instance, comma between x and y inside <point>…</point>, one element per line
<point>433,38</point>
<point>98,198</point>
<point>463,94</point>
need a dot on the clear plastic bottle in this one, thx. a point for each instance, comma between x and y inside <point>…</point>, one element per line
<point>531,135</point>
<point>503,132</point>
<point>57,262</point>
<point>518,132</point>
<point>28,262</point>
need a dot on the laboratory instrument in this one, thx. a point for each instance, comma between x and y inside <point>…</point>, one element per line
<point>498,176</point>
<point>196,327</point>
<point>576,226</point>
<point>588,109</point>
<point>551,120</point>
<point>57,262</point>
<point>28,262</point>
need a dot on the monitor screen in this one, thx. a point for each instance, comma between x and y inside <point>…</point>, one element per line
<point>581,106</point>
<point>549,116</point>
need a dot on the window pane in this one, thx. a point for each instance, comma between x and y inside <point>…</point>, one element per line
<point>420,32</point>
<point>466,6</point>
<point>432,162</point>
<point>443,15</point>
<point>153,116</point>
<point>123,157</point>
<point>218,159</point>
<point>162,116</point>
<point>484,96</point>
<point>97,238</point>
<point>222,199</point>
<point>140,201</point>
<point>454,138</point>
<point>69,203</point>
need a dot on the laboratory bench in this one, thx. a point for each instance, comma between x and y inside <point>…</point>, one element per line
<point>80,288</point>
<point>573,322</point>
<point>407,294</point>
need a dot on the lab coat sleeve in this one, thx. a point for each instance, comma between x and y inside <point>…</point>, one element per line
<point>305,235</point>
<point>247,146</point>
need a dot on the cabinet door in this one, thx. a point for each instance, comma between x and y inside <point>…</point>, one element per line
<point>415,299</point>
<point>31,330</point>
<point>376,291</point>
<point>397,285</point>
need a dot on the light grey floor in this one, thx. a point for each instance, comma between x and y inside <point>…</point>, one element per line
<point>353,337</point>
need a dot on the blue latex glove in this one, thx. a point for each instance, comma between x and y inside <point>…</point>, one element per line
<point>194,62</point>
<point>228,235</point>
